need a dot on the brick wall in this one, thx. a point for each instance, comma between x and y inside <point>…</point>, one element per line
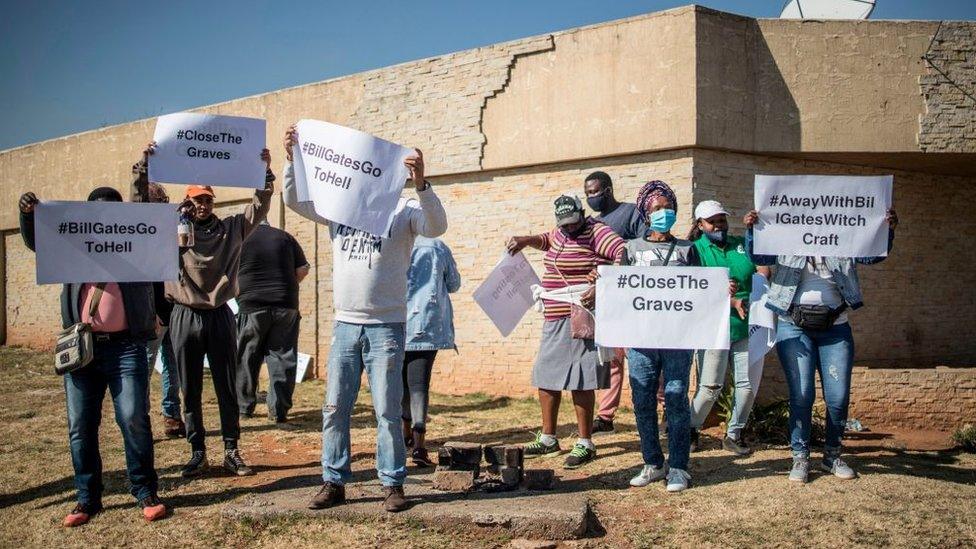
<point>949,91</point>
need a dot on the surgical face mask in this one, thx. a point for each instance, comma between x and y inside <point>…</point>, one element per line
<point>599,202</point>
<point>718,237</point>
<point>663,220</point>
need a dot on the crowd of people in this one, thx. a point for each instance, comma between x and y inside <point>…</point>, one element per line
<point>393,314</point>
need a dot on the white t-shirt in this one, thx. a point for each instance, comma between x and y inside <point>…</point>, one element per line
<point>817,287</point>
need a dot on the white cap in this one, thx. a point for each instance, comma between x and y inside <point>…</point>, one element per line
<point>709,208</point>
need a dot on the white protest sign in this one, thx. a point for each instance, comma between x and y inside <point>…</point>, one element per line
<point>301,367</point>
<point>105,242</point>
<point>662,307</point>
<point>762,321</point>
<point>506,294</point>
<point>822,215</point>
<point>207,149</point>
<point>351,177</point>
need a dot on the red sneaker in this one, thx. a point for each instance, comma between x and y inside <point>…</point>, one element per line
<point>81,514</point>
<point>152,508</point>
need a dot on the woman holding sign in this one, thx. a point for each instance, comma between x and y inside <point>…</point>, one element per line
<point>811,296</point>
<point>657,207</point>
<point>568,361</point>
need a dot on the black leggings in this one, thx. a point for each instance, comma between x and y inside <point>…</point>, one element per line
<point>417,366</point>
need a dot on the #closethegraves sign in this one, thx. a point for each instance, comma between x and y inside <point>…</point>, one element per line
<point>351,177</point>
<point>663,307</point>
<point>206,149</point>
<point>506,294</point>
<point>105,242</point>
<point>821,215</point>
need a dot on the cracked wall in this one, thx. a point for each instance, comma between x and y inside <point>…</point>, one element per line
<point>949,91</point>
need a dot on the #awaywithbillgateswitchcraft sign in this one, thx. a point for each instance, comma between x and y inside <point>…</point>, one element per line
<point>662,307</point>
<point>105,242</point>
<point>352,178</point>
<point>822,215</point>
<point>207,149</point>
<point>506,294</point>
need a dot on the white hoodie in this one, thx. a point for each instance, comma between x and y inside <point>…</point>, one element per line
<point>369,273</point>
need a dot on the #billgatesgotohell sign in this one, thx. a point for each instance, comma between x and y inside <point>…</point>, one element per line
<point>207,149</point>
<point>351,177</point>
<point>662,307</point>
<point>105,242</point>
<point>822,215</point>
<point>506,294</point>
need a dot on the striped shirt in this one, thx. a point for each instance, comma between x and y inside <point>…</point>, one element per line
<point>573,260</point>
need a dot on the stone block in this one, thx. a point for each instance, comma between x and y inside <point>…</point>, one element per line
<point>511,476</point>
<point>539,479</point>
<point>504,456</point>
<point>459,456</point>
<point>454,481</point>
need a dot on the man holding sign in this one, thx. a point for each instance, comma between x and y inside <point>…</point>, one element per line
<point>202,324</point>
<point>811,290</point>
<point>369,276</point>
<point>122,318</point>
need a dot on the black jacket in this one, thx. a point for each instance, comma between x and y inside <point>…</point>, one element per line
<point>137,297</point>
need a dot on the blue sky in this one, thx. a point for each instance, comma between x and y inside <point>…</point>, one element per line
<point>72,66</point>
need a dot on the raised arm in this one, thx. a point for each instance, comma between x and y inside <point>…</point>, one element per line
<point>27,203</point>
<point>257,210</point>
<point>429,219</point>
<point>289,193</point>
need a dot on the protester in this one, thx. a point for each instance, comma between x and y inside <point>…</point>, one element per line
<point>657,207</point>
<point>811,295</point>
<point>430,327</point>
<point>173,426</point>
<point>623,219</point>
<point>122,318</point>
<point>717,248</point>
<point>369,275</point>
<point>273,264</point>
<point>202,323</point>
<point>574,249</point>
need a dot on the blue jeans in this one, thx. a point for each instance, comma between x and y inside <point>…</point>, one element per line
<point>712,367</point>
<point>646,367</point>
<point>377,348</point>
<point>803,353</point>
<point>171,374</point>
<point>121,368</point>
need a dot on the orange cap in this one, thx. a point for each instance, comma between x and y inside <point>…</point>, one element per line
<point>199,190</point>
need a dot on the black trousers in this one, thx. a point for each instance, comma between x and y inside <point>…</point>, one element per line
<point>196,333</point>
<point>417,366</point>
<point>270,335</point>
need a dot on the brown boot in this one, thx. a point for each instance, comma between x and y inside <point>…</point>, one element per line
<point>330,495</point>
<point>174,428</point>
<point>393,499</point>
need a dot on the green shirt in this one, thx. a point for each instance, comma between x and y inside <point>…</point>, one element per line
<point>734,257</point>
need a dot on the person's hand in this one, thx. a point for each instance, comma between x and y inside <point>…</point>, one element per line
<point>27,202</point>
<point>266,157</point>
<point>291,139</point>
<point>892,218</point>
<point>588,299</point>
<point>415,163</point>
<point>740,306</point>
<point>142,166</point>
<point>733,287</point>
<point>516,244</point>
<point>750,219</point>
<point>187,208</point>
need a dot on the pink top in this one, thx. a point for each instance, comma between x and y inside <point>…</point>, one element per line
<point>111,311</point>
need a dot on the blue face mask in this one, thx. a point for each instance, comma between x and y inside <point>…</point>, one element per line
<point>663,220</point>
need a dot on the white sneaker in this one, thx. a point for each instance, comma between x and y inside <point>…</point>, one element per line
<point>678,480</point>
<point>648,475</point>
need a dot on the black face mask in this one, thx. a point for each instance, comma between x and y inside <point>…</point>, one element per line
<point>598,203</point>
<point>718,237</point>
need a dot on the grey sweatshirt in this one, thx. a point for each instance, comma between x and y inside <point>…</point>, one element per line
<point>369,273</point>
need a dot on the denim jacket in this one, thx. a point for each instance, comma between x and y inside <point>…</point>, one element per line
<point>430,316</point>
<point>789,271</point>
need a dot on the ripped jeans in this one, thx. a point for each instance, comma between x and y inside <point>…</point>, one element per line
<point>803,353</point>
<point>377,349</point>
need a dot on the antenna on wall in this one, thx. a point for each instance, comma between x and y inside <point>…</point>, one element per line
<point>827,9</point>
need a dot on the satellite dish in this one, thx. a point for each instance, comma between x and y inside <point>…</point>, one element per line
<point>827,9</point>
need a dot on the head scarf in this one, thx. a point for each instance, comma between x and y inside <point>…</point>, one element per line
<point>107,194</point>
<point>648,193</point>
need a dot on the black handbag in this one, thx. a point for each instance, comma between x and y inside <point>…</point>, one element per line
<point>815,317</point>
